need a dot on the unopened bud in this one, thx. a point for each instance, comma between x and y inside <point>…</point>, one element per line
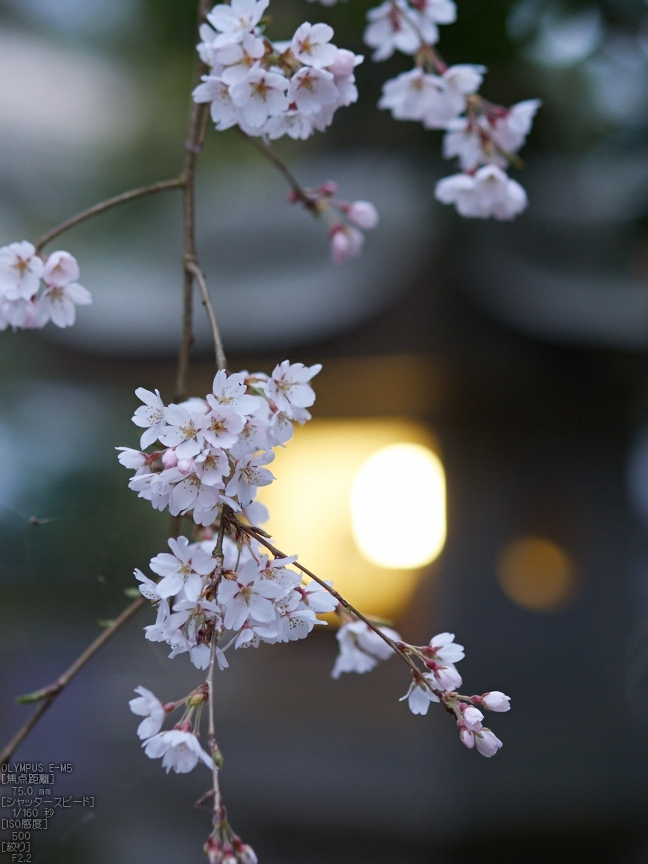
<point>169,458</point>
<point>495,700</point>
<point>246,854</point>
<point>186,466</point>
<point>473,718</point>
<point>467,738</point>
<point>363,214</point>
<point>487,742</point>
<point>328,188</point>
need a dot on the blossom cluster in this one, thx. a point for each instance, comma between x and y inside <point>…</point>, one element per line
<point>272,89</point>
<point>485,137</point>
<point>221,590</point>
<point>21,272</point>
<point>215,449</point>
<point>255,598</point>
<point>361,649</point>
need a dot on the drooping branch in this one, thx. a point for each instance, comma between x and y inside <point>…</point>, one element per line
<point>193,145</point>
<point>221,360</point>
<point>300,192</point>
<point>48,694</point>
<point>195,137</point>
<point>152,189</point>
<point>259,537</point>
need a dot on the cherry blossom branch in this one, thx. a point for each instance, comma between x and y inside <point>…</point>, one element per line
<point>217,805</point>
<point>153,188</point>
<point>192,267</point>
<point>300,192</point>
<point>48,694</point>
<point>195,138</point>
<point>214,751</point>
<point>193,145</point>
<point>416,672</point>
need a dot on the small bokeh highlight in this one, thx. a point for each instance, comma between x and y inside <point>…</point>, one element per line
<point>537,574</point>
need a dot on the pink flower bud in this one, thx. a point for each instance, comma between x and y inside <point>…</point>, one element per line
<point>246,854</point>
<point>186,466</point>
<point>473,718</point>
<point>363,214</point>
<point>487,742</point>
<point>495,700</point>
<point>345,242</point>
<point>328,188</point>
<point>213,850</point>
<point>169,458</point>
<point>343,64</point>
<point>467,738</point>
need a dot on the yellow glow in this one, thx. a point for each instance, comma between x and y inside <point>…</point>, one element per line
<point>536,574</point>
<point>310,507</point>
<point>399,473</point>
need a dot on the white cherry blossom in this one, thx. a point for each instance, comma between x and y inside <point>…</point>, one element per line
<point>247,596</point>
<point>231,392</point>
<point>446,649</point>
<point>318,599</point>
<point>216,91</point>
<point>233,21</point>
<point>360,648</point>
<point>151,709</point>
<point>58,304</point>
<point>289,385</point>
<point>260,95</point>
<point>185,568</point>
<point>150,415</point>
<point>180,750</point>
<point>311,45</point>
<point>249,474</point>
<point>510,131</point>
<point>238,58</point>
<point>20,271</point>
<point>437,11</point>
<point>147,587</point>
<point>489,192</point>
<point>312,89</point>
<point>296,125</point>
<point>221,427</point>
<point>419,696</point>
<point>184,431</point>
<point>60,269</point>
<point>395,26</point>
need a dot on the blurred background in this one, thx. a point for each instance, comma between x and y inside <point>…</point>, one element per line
<point>515,353</point>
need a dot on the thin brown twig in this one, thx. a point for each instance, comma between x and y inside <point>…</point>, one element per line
<point>50,692</point>
<point>193,145</point>
<point>221,360</point>
<point>253,532</point>
<point>301,193</point>
<point>151,189</point>
<point>217,805</point>
<point>197,130</point>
